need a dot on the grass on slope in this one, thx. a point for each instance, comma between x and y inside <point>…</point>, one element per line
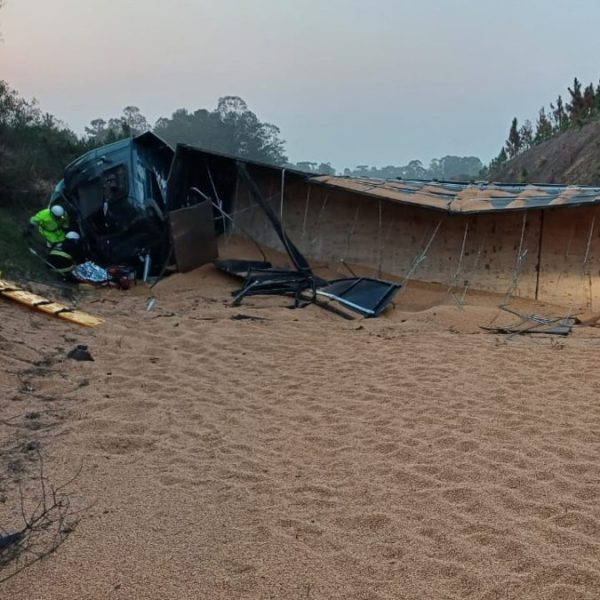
<point>16,261</point>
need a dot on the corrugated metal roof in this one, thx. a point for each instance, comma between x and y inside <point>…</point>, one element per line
<point>447,196</point>
<point>466,198</point>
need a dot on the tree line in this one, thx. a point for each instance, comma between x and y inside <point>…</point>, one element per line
<point>448,168</point>
<point>581,107</point>
<point>35,146</point>
<point>232,128</point>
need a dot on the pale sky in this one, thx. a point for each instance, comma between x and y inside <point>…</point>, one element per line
<point>373,82</point>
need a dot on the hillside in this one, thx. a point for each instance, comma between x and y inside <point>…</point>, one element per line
<point>572,157</point>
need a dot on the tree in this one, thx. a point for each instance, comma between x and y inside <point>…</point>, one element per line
<point>589,102</point>
<point>526,135</point>
<point>305,165</point>
<point>242,133</point>
<point>185,127</point>
<point>495,164</point>
<point>583,105</point>
<point>543,128</point>
<point>455,167</point>
<point>448,167</point>
<point>361,171</point>
<point>232,128</point>
<point>560,117</point>
<point>134,120</point>
<point>597,100</point>
<point>131,123</point>
<point>97,130</point>
<point>514,143</point>
<point>325,169</point>
<point>312,167</point>
<point>576,107</point>
<point>414,170</point>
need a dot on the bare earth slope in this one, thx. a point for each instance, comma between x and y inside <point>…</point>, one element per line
<point>572,158</point>
<point>304,456</point>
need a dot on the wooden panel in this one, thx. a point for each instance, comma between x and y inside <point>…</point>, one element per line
<point>333,225</point>
<point>193,235</point>
<point>569,267</point>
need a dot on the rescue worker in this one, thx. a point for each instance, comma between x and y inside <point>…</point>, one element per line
<point>61,262</point>
<point>72,245</point>
<point>51,223</point>
<point>64,257</point>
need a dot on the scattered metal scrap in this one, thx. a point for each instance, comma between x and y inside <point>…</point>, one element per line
<point>535,324</point>
<point>240,317</point>
<point>366,296</point>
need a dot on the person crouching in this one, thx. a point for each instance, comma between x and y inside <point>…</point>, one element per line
<point>65,256</point>
<point>52,224</point>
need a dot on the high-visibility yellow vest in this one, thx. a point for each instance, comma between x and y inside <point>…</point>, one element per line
<point>49,227</point>
<point>62,262</point>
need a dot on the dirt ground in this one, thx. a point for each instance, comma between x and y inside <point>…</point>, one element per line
<point>262,452</point>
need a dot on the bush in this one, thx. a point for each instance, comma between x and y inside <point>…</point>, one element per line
<point>34,149</point>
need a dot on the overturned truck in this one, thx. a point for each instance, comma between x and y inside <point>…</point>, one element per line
<point>116,197</point>
<point>141,202</point>
<point>137,204</point>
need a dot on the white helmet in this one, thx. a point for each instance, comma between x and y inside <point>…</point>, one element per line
<point>58,211</point>
<point>73,235</point>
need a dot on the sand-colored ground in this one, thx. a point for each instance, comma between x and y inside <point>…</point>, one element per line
<point>302,456</point>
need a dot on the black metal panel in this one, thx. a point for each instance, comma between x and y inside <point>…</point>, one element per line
<point>369,297</point>
<point>241,268</point>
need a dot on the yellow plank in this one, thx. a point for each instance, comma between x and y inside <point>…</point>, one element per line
<point>6,285</point>
<point>24,297</point>
<point>81,318</point>
<point>51,309</point>
<point>13,292</point>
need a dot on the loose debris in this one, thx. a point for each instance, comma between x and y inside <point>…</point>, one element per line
<point>80,353</point>
<point>365,296</point>
<point>240,317</point>
<point>531,324</point>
